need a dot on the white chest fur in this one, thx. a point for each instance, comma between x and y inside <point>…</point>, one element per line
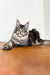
<point>20,40</point>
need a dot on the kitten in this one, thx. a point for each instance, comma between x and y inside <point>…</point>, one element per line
<point>23,37</point>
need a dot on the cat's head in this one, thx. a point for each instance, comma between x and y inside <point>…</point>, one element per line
<point>22,30</point>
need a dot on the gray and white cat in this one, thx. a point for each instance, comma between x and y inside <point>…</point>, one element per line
<point>22,36</point>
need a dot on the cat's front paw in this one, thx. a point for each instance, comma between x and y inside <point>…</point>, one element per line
<point>6,47</point>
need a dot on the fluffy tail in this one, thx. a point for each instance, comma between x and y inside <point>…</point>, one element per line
<point>45,42</point>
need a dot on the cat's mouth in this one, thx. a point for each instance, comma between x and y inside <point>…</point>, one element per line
<point>20,35</point>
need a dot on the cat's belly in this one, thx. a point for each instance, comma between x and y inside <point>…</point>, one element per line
<point>20,40</point>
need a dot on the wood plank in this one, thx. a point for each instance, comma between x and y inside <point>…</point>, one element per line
<point>33,60</point>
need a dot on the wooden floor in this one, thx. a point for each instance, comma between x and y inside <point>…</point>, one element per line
<point>33,60</point>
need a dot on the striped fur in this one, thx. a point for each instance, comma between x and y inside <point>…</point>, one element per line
<point>23,37</point>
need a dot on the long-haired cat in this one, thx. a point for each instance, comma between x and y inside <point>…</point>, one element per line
<point>22,36</point>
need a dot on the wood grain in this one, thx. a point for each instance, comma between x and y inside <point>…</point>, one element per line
<point>33,60</point>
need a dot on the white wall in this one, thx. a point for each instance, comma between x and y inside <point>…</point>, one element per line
<point>47,18</point>
<point>24,10</point>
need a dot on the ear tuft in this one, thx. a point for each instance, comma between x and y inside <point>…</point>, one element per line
<point>17,22</point>
<point>27,24</point>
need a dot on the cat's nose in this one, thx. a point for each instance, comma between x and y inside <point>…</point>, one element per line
<point>20,31</point>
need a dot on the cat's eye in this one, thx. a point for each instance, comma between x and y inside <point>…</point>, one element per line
<point>18,29</point>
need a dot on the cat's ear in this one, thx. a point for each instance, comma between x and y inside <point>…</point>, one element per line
<point>17,22</point>
<point>27,25</point>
